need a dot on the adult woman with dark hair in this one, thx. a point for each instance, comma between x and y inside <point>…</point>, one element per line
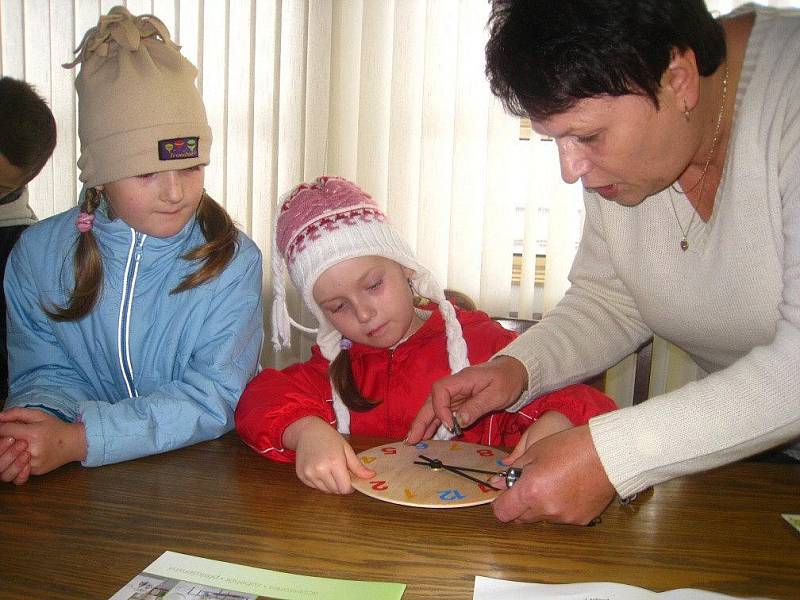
<point>685,132</point>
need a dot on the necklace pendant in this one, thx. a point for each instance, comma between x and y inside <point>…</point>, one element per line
<point>684,244</point>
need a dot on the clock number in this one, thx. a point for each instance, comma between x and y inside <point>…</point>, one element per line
<point>450,495</point>
<point>485,452</point>
<point>485,488</point>
<point>389,450</point>
<point>421,445</point>
<point>379,486</point>
<point>455,446</point>
<point>368,459</point>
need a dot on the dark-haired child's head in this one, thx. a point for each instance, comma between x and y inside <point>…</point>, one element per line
<point>27,134</point>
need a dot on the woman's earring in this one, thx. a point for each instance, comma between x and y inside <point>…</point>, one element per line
<point>685,111</point>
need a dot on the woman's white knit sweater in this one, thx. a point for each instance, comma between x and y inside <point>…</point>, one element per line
<point>732,300</point>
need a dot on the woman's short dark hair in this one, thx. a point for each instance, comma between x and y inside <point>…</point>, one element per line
<point>27,126</point>
<point>544,55</point>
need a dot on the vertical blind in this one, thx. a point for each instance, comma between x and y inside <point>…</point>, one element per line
<point>388,93</point>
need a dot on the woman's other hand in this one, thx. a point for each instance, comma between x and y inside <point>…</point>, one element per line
<point>563,481</point>
<point>468,395</point>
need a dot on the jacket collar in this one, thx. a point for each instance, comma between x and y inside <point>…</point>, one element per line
<point>15,210</point>
<point>116,235</point>
<point>432,327</point>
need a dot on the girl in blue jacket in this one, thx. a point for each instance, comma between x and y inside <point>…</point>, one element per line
<point>134,319</point>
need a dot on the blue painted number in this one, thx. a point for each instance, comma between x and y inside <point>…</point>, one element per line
<point>450,495</point>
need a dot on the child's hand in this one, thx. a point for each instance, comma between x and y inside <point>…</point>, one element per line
<point>15,460</point>
<point>549,423</point>
<point>324,458</point>
<point>50,441</point>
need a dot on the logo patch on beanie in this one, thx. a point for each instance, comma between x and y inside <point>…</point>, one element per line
<point>176,148</point>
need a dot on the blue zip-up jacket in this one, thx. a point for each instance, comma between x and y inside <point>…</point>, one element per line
<point>146,371</point>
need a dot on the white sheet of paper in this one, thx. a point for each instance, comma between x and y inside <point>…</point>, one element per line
<point>487,588</point>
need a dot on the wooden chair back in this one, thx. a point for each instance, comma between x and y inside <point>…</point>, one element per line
<point>519,326</point>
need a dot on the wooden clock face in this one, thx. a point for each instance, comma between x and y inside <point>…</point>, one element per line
<point>399,481</point>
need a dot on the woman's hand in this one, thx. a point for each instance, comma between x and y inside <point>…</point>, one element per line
<point>563,481</point>
<point>50,441</point>
<point>469,394</point>
<point>324,458</point>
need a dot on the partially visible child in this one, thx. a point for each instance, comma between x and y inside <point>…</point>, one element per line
<point>135,318</point>
<point>376,355</point>
<point>27,139</point>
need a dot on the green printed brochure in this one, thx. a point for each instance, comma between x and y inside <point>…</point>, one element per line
<point>174,576</point>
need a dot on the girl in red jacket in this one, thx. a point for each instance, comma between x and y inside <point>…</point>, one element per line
<point>376,354</point>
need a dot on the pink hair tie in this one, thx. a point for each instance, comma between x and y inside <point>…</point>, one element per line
<point>84,222</point>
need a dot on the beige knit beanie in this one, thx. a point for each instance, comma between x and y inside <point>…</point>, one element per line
<point>139,110</point>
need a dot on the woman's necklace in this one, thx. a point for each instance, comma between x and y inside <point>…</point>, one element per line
<point>701,181</point>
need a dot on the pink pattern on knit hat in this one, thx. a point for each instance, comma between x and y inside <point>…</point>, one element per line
<point>325,204</point>
<point>315,230</point>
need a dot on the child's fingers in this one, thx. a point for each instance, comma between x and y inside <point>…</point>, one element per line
<point>15,468</point>
<point>327,484</point>
<point>343,484</point>
<point>13,448</point>
<point>333,481</point>
<point>23,475</point>
<point>519,449</point>
<point>21,415</point>
<point>356,467</point>
<point>13,414</point>
<point>17,430</point>
<point>4,416</point>
<point>318,482</point>
<point>6,443</point>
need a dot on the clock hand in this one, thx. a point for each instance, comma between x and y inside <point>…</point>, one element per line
<point>434,463</point>
<point>511,475</point>
<point>437,464</point>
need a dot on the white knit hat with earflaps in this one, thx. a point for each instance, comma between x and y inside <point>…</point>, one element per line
<point>321,224</point>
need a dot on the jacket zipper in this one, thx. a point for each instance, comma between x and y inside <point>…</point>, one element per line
<point>126,304</point>
<point>389,365</point>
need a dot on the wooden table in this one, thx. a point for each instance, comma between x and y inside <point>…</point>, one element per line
<point>83,533</point>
